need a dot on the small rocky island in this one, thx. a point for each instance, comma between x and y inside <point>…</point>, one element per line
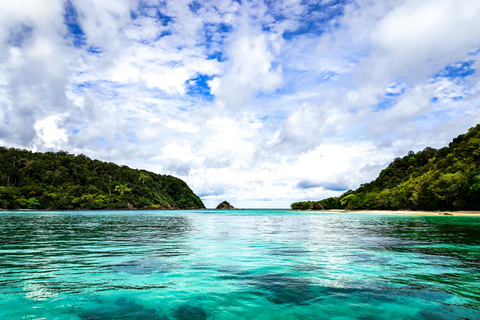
<point>225,206</point>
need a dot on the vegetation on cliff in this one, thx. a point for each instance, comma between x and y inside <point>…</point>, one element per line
<point>444,179</point>
<point>224,205</point>
<point>58,180</point>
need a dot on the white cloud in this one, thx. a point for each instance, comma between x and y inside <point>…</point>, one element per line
<point>49,135</point>
<point>103,21</point>
<point>306,126</point>
<point>250,70</point>
<point>414,103</point>
<point>418,38</point>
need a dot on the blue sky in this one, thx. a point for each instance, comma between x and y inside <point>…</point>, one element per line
<point>260,103</point>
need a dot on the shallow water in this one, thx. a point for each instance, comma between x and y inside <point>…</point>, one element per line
<point>244,264</point>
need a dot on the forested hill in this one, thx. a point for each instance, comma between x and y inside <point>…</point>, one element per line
<point>444,179</point>
<point>58,180</point>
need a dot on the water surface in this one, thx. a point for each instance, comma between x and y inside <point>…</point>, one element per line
<point>208,264</point>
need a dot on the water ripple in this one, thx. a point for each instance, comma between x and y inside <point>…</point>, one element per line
<point>237,265</point>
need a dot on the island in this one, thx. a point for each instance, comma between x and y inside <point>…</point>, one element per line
<point>62,181</point>
<point>225,206</point>
<point>447,179</point>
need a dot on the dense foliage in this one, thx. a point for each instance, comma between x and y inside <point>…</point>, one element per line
<point>34,180</point>
<point>225,205</point>
<point>444,179</point>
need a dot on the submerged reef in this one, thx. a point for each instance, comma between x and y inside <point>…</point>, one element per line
<point>122,308</point>
<point>189,312</point>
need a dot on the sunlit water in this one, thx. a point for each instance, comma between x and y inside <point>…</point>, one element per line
<point>237,265</point>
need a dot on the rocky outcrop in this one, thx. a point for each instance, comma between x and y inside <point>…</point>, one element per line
<point>225,206</point>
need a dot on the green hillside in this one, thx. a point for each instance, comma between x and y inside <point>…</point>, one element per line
<point>58,180</point>
<point>444,179</point>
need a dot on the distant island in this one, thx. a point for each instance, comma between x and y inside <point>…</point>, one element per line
<point>225,206</point>
<point>62,181</point>
<point>430,180</point>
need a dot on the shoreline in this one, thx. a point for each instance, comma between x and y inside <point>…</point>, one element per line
<point>339,211</point>
<point>410,213</point>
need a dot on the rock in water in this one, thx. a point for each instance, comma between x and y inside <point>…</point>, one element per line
<point>225,205</point>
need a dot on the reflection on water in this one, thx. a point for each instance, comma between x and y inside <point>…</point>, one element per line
<point>237,264</point>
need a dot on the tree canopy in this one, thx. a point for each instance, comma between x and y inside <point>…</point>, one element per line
<point>225,205</point>
<point>59,180</point>
<point>444,179</point>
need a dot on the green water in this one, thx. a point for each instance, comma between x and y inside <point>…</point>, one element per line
<point>237,265</point>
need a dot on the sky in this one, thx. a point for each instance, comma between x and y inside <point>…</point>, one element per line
<point>260,103</point>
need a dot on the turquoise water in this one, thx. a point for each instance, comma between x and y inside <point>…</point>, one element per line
<point>237,265</point>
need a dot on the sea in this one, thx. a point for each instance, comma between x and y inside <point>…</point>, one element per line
<point>237,264</point>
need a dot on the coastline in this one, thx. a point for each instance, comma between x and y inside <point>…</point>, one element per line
<point>339,211</point>
<point>411,213</point>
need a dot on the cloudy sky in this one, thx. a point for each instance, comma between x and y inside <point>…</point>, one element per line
<point>260,103</point>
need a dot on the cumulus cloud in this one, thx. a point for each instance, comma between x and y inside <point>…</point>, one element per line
<point>251,54</point>
<point>418,38</point>
<point>34,66</point>
<point>306,126</point>
<point>415,103</point>
<point>49,134</point>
